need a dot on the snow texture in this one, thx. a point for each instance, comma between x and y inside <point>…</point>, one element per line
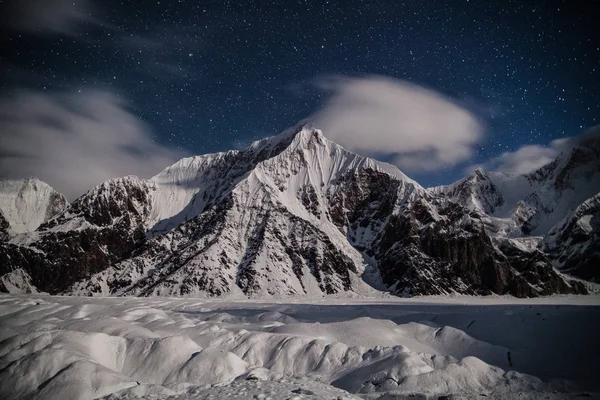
<point>385,348</point>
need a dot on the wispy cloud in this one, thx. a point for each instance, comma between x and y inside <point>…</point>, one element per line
<point>422,129</point>
<point>529,158</point>
<point>47,16</point>
<point>74,141</point>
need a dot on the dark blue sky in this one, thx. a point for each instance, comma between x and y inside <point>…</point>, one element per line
<point>211,75</point>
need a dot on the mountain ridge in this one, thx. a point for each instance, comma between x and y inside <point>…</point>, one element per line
<point>294,214</point>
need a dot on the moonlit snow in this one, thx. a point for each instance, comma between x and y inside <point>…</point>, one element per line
<point>321,348</point>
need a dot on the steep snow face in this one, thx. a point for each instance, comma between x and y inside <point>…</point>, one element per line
<point>186,188</point>
<point>478,191</point>
<point>564,184</point>
<point>28,203</point>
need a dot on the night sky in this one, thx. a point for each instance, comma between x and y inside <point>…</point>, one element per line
<point>210,76</point>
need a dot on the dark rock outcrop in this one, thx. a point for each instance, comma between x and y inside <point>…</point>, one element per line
<point>4,228</point>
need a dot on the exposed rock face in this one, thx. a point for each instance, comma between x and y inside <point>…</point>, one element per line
<point>574,243</point>
<point>297,214</point>
<point>268,235</point>
<point>452,252</point>
<point>4,228</point>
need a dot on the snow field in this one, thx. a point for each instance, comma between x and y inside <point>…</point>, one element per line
<point>124,348</point>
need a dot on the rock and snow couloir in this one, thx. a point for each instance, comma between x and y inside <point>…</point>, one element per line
<point>298,214</point>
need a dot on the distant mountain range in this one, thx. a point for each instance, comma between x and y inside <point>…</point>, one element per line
<point>297,214</point>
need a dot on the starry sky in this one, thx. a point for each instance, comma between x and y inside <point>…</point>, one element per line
<point>208,76</point>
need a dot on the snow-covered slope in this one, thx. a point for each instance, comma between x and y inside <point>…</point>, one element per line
<point>184,189</point>
<point>564,184</point>
<point>557,203</point>
<point>26,204</point>
<point>98,229</point>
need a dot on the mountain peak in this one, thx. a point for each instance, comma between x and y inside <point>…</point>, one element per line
<point>307,135</point>
<point>27,203</point>
<point>478,174</point>
<point>301,133</point>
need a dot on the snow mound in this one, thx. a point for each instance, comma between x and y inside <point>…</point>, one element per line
<point>286,388</point>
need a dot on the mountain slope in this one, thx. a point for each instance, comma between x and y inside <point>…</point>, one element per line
<point>99,228</point>
<point>26,204</point>
<point>271,233</point>
<point>556,202</point>
<point>106,224</point>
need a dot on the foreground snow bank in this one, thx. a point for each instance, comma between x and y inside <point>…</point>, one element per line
<point>121,348</point>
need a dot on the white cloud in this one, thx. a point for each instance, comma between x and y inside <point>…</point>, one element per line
<point>420,128</point>
<point>53,16</point>
<point>528,158</point>
<point>75,141</point>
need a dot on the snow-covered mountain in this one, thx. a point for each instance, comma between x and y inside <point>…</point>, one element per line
<point>26,204</point>
<point>298,214</point>
<point>538,201</point>
<point>573,243</point>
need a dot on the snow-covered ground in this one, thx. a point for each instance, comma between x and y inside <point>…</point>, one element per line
<point>326,348</point>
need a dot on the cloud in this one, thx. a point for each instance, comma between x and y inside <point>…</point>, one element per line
<point>75,141</point>
<point>419,128</point>
<point>529,158</point>
<point>47,16</point>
